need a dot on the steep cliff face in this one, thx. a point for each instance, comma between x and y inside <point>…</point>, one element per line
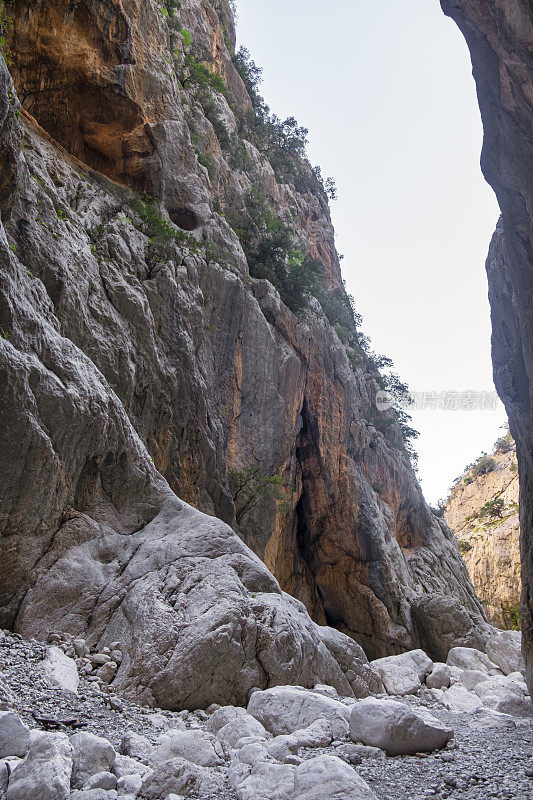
<point>133,326</point>
<point>500,37</point>
<point>482,510</point>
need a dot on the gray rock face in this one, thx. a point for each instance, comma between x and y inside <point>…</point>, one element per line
<point>499,37</point>
<point>118,355</point>
<point>116,346</point>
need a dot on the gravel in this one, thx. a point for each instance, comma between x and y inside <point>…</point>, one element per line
<point>490,757</point>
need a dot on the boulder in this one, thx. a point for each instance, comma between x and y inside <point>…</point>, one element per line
<point>415,660</point>
<point>439,677</point>
<point>356,753</point>
<point>469,678</point>
<point>241,727</point>
<point>515,706</point>
<point>60,671</point>
<point>92,755</point>
<point>395,728</point>
<point>136,746</point>
<point>180,777</point>
<point>221,716</point>
<point>504,649</point>
<point>498,687</point>
<point>196,746</point>
<point>329,778</point>
<point>469,658</point>
<point>458,699</point>
<point>129,784</point>
<point>102,780</point>
<point>124,765</point>
<point>285,709</point>
<point>253,777</point>
<point>14,735</point>
<point>46,770</point>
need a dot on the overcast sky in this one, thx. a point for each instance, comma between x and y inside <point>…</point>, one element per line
<point>387,93</point>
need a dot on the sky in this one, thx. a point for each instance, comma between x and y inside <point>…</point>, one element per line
<point>387,93</point>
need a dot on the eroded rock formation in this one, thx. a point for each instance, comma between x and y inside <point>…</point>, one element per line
<point>499,34</point>
<point>140,363</point>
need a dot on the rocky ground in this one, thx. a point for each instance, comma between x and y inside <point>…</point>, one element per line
<point>293,745</point>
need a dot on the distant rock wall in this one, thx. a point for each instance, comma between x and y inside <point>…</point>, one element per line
<point>482,510</point>
<point>499,34</point>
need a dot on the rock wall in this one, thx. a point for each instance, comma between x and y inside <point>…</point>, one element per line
<point>482,510</point>
<point>499,34</point>
<point>141,362</point>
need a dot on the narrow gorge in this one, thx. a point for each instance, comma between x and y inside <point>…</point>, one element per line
<point>200,503</point>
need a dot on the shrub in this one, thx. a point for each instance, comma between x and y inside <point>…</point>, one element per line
<point>196,73</point>
<point>464,546</point>
<point>250,486</point>
<point>504,444</point>
<point>492,510</point>
<point>483,466</point>
<point>208,162</point>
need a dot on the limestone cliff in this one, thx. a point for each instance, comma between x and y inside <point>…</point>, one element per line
<point>141,361</point>
<point>500,37</point>
<point>482,510</point>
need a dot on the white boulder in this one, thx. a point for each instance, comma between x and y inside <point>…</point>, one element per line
<point>329,778</point>
<point>129,784</point>
<point>60,671</point>
<point>498,686</point>
<point>180,777</point>
<point>14,735</point>
<point>125,765</point>
<point>45,772</point>
<point>285,709</point>
<point>241,727</point>
<point>515,706</point>
<point>195,746</point>
<point>254,777</point>
<point>395,728</point>
<point>136,746</point>
<point>439,677</point>
<point>92,755</point>
<point>415,660</point>
<point>403,674</point>
<point>469,658</point>
<point>458,699</point>
<point>469,678</point>
<point>505,650</point>
<point>102,780</point>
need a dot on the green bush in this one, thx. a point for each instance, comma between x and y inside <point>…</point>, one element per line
<point>483,466</point>
<point>250,486</point>
<point>197,74</point>
<point>464,546</point>
<point>493,509</point>
<point>208,162</point>
<point>504,444</point>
